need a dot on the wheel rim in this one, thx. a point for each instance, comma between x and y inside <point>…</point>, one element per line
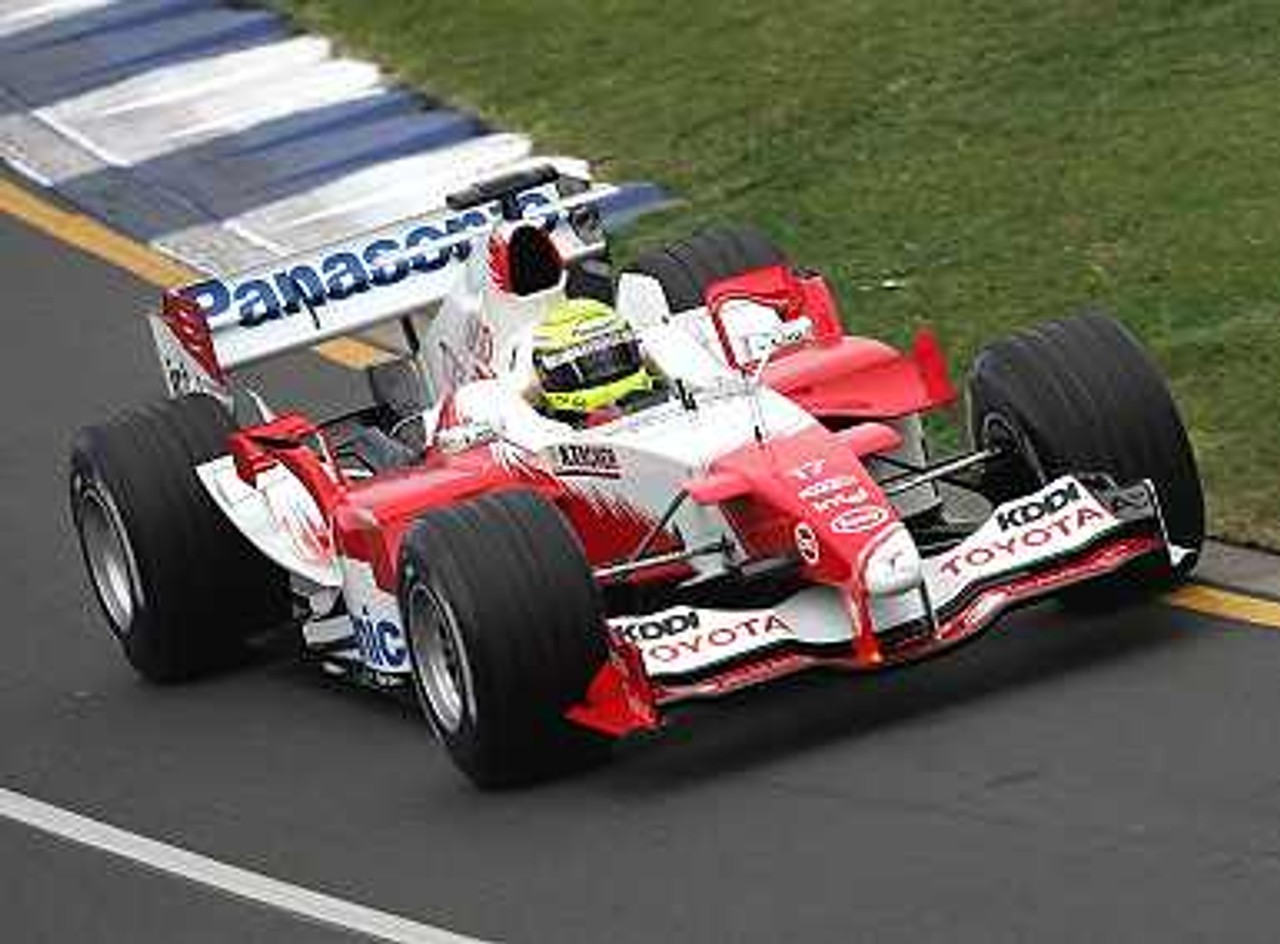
<point>1002,433</point>
<point>112,565</point>
<point>444,675</point>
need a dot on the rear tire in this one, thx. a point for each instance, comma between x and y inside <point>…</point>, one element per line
<point>686,268</point>
<point>181,589</point>
<point>1081,395</point>
<point>506,631</point>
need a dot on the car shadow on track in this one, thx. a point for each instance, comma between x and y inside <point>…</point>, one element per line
<point>770,725</point>
<point>762,727</point>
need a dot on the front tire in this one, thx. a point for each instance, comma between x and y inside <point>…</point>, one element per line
<point>181,589</point>
<point>1081,395</point>
<point>506,631</point>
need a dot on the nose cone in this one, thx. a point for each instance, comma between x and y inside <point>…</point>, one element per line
<point>893,566</point>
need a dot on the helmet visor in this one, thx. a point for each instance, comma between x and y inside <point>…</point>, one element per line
<point>590,364</point>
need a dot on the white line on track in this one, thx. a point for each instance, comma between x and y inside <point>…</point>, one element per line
<point>229,879</point>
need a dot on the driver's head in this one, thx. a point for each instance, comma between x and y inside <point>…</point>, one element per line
<point>587,357</point>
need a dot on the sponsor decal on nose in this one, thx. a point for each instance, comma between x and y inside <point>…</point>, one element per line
<point>807,544</point>
<point>859,520</point>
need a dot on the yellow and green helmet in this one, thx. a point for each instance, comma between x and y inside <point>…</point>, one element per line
<point>587,357</point>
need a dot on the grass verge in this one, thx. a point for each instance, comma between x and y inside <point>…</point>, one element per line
<point>973,164</point>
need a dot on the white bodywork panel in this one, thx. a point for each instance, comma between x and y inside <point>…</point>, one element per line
<point>374,620</point>
<point>1078,519</point>
<point>183,374</point>
<point>684,639</point>
<point>370,632</point>
<point>481,333</point>
<point>281,520</point>
<point>639,461</point>
<point>354,284</point>
<point>279,517</point>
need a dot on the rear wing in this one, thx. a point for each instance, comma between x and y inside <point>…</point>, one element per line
<point>208,329</point>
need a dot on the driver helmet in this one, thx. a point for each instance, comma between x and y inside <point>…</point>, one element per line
<point>587,357</point>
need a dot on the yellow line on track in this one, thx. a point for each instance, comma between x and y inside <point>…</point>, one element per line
<point>88,235</point>
<point>351,352</point>
<point>1227,604</point>
<point>96,239</point>
<point>92,237</point>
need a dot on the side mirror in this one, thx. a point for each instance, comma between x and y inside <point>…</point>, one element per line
<point>761,347</point>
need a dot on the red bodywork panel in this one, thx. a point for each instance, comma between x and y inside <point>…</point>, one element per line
<point>834,376</point>
<point>371,516</point>
<point>809,479</point>
<point>375,514</point>
<point>182,315</point>
<point>790,293</point>
<point>854,378</point>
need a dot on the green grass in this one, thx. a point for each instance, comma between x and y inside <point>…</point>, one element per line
<point>994,162</point>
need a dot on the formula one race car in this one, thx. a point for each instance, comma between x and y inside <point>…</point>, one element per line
<point>546,586</point>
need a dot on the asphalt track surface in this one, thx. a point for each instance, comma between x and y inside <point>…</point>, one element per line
<point>1063,779</point>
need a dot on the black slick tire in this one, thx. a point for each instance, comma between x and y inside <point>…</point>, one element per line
<point>1081,395</point>
<point>181,589</point>
<point>505,624</point>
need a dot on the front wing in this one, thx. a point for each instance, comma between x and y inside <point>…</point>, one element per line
<point>1075,529</point>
